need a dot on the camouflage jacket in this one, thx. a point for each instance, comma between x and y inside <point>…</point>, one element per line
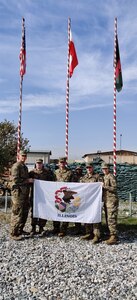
<point>90,178</point>
<point>110,186</point>
<point>64,175</point>
<point>19,173</point>
<point>43,174</point>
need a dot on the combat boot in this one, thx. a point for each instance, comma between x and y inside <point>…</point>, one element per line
<point>87,236</point>
<point>16,237</point>
<point>61,234</point>
<point>77,229</point>
<point>33,230</point>
<point>56,227</point>
<point>112,240</point>
<point>41,230</point>
<point>55,231</point>
<point>95,240</point>
<point>24,232</point>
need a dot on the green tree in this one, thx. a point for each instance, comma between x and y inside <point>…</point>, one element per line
<point>8,144</point>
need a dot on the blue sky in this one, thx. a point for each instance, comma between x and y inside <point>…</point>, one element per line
<point>91,86</point>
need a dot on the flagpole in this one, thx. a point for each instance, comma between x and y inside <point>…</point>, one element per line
<point>22,57</point>
<point>67,92</point>
<point>20,118</point>
<point>114,104</point>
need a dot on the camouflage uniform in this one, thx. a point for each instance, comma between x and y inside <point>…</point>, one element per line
<point>95,228</point>
<point>20,198</point>
<point>42,174</point>
<point>110,203</point>
<point>63,175</point>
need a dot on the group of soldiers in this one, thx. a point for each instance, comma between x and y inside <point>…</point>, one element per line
<point>22,198</point>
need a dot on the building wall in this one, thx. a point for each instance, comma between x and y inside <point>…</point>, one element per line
<point>123,158</point>
<point>33,156</point>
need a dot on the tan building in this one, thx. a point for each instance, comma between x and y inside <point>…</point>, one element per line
<point>123,156</point>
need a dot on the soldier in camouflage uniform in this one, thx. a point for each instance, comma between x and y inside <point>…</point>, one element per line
<point>39,172</point>
<point>110,203</point>
<point>63,174</point>
<point>91,228</point>
<point>20,196</point>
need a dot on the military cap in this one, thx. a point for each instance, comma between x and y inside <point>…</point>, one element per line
<point>23,152</point>
<point>104,166</point>
<point>39,161</point>
<point>88,165</point>
<point>62,159</point>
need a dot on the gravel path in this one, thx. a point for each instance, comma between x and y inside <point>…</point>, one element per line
<point>50,268</point>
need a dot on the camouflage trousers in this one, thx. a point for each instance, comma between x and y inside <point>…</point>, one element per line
<point>111,213</point>
<point>78,226</point>
<point>93,229</point>
<point>56,226</point>
<point>19,212</point>
<point>64,227</point>
<point>38,221</point>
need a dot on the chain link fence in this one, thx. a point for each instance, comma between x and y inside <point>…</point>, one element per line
<point>128,208</point>
<point>5,202</point>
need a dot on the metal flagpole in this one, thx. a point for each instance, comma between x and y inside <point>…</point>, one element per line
<point>114,104</point>
<point>22,72</point>
<point>67,92</point>
<point>20,117</point>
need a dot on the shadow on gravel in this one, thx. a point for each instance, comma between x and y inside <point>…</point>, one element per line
<point>126,232</point>
<point>127,228</point>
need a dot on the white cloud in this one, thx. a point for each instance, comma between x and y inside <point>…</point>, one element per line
<point>44,85</point>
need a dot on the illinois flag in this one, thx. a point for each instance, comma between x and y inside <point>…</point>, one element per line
<point>73,61</point>
<point>67,201</point>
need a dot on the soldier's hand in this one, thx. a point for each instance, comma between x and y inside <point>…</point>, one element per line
<point>30,180</point>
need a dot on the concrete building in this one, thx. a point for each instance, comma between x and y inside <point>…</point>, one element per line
<point>33,155</point>
<point>123,156</point>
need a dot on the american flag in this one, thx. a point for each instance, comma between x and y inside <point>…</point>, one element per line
<point>22,55</point>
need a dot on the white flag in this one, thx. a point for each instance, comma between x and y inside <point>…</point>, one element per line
<point>67,201</point>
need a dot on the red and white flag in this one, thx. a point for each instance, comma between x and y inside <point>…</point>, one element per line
<point>73,61</point>
<point>22,55</point>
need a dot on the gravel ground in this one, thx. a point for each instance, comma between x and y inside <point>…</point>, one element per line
<point>50,268</point>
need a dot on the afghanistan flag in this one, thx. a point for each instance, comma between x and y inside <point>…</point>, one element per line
<point>119,80</point>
